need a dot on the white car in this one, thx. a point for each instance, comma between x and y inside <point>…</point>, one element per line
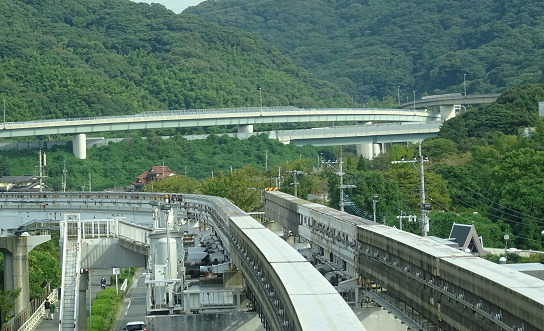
<point>135,326</point>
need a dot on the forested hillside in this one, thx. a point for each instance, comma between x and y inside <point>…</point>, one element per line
<point>72,58</point>
<point>371,47</point>
<point>117,57</point>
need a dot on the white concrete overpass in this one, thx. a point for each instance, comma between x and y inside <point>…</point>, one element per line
<point>244,118</point>
<point>450,99</point>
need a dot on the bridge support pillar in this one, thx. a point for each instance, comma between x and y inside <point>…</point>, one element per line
<point>447,112</point>
<point>245,128</point>
<point>83,308</point>
<point>365,150</point>
<point>376,150</point>
<point>79,146</point>
<point>368,151</point>
<point>15,250</point>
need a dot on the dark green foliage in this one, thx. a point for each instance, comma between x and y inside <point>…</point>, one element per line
<point>515,109</point>
<point>515,258</point>
<point>5,167</point>
<point>7,303</point>
<point>44,266</point>
<point>241,186</point>
<point>118,164</point>
<point>94,58</point>
<point>307,182</point>
<point>369,48</point>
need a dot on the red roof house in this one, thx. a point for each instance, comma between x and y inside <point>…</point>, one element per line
<point>153,174</point>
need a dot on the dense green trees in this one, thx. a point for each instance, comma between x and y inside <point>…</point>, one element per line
<point>118,164</point>
<point>74,59</point>
<point>369,48</point>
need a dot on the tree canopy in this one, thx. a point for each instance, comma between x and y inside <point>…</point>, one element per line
<point>375,49</point>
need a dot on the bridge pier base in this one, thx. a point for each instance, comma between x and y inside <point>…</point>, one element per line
<point>369,151</point>
<point>15,250</point>
<point>376,150</point>
<point>84,285</point>
<point>447,112</point>
<point>245,128</point>
<point>365,150</point>
<point>79,146</point>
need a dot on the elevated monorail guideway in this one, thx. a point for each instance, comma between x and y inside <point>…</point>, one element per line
<point>434,286</point>
<point>284,288</point>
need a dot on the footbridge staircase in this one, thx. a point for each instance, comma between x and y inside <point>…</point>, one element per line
<point>71,237</point>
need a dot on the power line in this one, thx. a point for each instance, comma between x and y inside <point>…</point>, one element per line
<point>425,207</point>
<point>519,214</point>
<point>469,221</point>
<point>474,208</point>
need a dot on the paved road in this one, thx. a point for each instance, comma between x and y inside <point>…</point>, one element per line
<point>134,303</point>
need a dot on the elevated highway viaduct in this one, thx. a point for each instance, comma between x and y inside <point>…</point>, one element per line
<point>450,99</point>
<point>244,118</point>
<point>369,138</point>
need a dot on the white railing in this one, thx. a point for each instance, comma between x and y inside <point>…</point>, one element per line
<point>115,228</point>
<point>36,318</point>
<point>124,285</point>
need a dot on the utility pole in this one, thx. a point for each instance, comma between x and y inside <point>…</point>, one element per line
<point>64,177</point>
<point>42,166</point>
<point>340,174</point>
<point>278,179</point>
<point>375,199</point>
<point>296,173</point>
<point>89,182</point>
<point>266,159</point>
<point>425,207</point>
<point>261,98</point>
<point>341,186</point>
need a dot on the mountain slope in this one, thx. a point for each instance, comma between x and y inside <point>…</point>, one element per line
<point>371,47</point>
<point>73,59</point>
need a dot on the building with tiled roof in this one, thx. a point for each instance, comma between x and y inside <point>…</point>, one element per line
<point>23,183</point>
<point>153,174</point>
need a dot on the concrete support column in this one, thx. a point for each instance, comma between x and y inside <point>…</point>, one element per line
<point>79,146</point>
<point>365,150</point>
<point>376,150</point>
<point>386,147</point>
<point>245,128</point>
<point>83,304</point>
<point>447,112</point>
<point>15,250</point>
